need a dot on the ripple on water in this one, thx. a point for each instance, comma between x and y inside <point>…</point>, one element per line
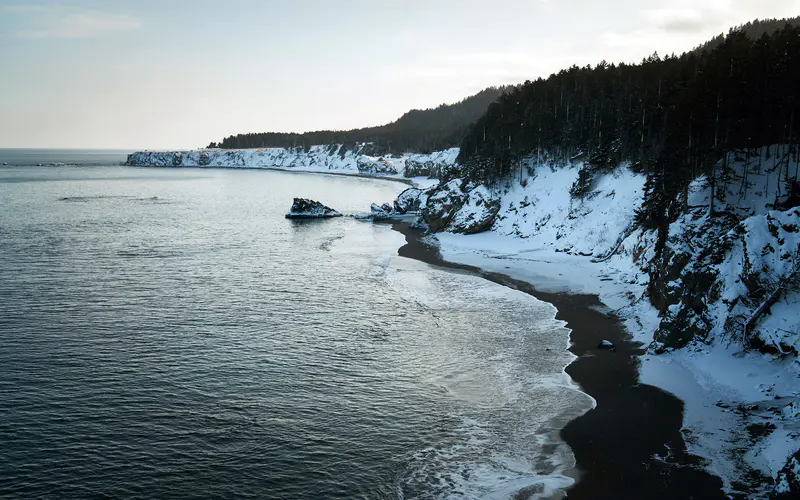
<point>208,347</point>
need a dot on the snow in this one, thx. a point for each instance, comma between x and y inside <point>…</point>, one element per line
<point>713,381</point>
<point>328,159</point>
<point>544,211</point>
<point>557,243</point>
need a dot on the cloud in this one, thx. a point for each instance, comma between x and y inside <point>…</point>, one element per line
<point>678,20</point>
<point>682,24</point>
<point>38,21</point>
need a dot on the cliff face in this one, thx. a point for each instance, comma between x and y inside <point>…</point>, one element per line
<point>542,210</point>
<point>335,157</point>
<point>711,278</point>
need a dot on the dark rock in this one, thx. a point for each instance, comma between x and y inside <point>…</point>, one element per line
<point>442,204</point>
<point>415,168</point>
<point>787,484</point>
<point>605,344</point>
<point>381,212</point>
<point>367,165</point>
<point>303,208</point>
<point>477,214</point>
<point>409,200</point>
<point>204,159</point>
<point>433,169</point>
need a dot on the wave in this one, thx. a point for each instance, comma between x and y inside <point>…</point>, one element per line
<point>84,199</point>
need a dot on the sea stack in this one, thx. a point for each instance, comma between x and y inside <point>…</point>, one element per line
<point>303,208</point>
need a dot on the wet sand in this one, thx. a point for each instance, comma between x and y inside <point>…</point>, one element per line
<point>630,446</point>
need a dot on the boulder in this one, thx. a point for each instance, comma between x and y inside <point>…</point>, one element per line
<point>408,201</point>
<point>605,344</point>
<point>442,204</point>
<point>381,212</point>
<point>303,208</point>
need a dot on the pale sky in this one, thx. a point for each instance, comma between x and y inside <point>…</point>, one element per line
<point>179,74</point>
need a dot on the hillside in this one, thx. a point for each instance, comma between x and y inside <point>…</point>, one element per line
<point>754,30</point>
<point>419,131</point>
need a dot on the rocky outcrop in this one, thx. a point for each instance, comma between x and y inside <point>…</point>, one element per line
<point>717,279</point>
<point>303,208</point>
<point>380,212</point>
<point>409,201</point>
<point>442,204</point>
<point>455,206</point>
<point>416,168</point>
<point>368,165</point>
<point>787,484</point>
<point>477,214</point>
<point>437,165</point>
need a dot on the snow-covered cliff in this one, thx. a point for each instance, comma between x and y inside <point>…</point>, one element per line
<point>716,299</point>
<point>337,157</point>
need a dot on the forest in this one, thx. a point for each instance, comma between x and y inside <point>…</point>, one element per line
<point>420,131</point>
<point>674,118</point>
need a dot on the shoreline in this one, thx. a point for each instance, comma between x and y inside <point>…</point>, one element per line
<point>630,445</point>
<point>403,180</point>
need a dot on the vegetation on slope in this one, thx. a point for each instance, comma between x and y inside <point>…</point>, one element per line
<point>673,118</point>
<point>419,131</point>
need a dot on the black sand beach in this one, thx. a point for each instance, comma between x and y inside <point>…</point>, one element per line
<point>630,446</point>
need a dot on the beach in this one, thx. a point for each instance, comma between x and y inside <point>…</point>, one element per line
<point>630,445</point>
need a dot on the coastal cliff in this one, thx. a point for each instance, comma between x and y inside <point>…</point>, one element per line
<point>715,300</point>
<point>338,158</point>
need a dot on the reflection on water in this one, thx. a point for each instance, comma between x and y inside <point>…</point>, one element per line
<point>169,333</point>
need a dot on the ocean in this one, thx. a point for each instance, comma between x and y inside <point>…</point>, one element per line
<point>168,333</point>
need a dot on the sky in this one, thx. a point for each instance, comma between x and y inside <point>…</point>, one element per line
<point>173,74</point>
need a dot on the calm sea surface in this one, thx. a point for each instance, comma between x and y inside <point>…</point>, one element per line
<point>166,333</point>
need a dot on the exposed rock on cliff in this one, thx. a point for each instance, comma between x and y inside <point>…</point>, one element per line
<point>787,484</point>
<point>336,157</point>
<point>724,285</point>
<point>367,165</point>
<point>477,214</point>
<point>437,165</point>
<point>442,204</point>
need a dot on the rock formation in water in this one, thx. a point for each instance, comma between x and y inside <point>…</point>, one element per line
<point>303,208</point>
<point>380,212</point>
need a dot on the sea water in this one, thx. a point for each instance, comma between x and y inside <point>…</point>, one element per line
<point>168,333</point>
